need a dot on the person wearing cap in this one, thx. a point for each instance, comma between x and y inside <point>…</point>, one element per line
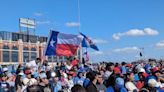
<point>19,81</point>
<point>156,74</point>
<point>44,82</point>
<point>5,69</point>
<point>79,79</point>
<point>11,80</point>
<point>141,81</point>
<point>55,84</point>
<point>4,86</point>
<point>118,86</point>
<point>152,86</point>
<point>28,81</point>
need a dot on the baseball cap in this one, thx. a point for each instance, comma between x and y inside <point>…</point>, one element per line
<point>141,70</point>
<point>152,83</point>
<point>35,75</point>
<point>5,69</point>
<point>27,72</point>
<point>119,82</point>
<point>117,70</point>
<point>156,69</point>
<point>21,74</point>
<point>43,75</point>
<point>53,74</point>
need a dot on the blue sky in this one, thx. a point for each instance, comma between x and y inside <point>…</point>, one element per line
<point>119,27</point>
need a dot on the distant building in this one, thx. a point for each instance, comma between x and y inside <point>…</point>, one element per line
<point>19,47</point>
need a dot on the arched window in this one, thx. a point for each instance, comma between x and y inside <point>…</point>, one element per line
<point>33,53</point>
<point>60,58</point>
<point>6,55</point>
<point>65,58</point>
<point>25,54</point>
<point>55,59</point>
<point>14,54</point>
<point>49,59</point>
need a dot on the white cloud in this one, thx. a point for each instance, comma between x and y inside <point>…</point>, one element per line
<point>100,41</point>
<point>72,24</point>
<point>96,53</point>
<point>38,14</point>
<point>150,31</point>
<point>136,32</point>
<point>160,44</point>
<point>43,22</point>
<point>116,37</point>
<point>127,50</point>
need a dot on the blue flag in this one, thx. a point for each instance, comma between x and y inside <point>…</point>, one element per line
<point>87,42</point>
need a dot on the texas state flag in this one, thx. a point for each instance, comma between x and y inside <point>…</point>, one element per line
<point>61,44</point>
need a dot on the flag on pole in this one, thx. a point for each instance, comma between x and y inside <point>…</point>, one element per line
<point>87,42</point>
<point>142,49</point>
<point>61,44</point>
<point>140,54</point>
<point>86,55</point>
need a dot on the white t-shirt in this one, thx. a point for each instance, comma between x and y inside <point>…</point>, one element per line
<point>32,64</point>
<point>130,86</point>
<point>69,67</point>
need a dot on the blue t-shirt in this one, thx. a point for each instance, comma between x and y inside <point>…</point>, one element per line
<point>123,70</point>
<point>111,89</point>
<point>86,83</point>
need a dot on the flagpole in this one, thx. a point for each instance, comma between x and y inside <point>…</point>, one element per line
<point>80,47</point>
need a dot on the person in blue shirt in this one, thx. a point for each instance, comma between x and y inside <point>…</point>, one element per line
<point>123,68</point>
<point>86,80</point>
<point>4,86</point>
<point>118,87</point>
<point>55,83</point>
<point>79,79</point>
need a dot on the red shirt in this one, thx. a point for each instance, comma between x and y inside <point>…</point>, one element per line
<point>74,62</point>
<point>139,85</point>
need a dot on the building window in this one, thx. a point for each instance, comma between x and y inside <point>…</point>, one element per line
<point>6,55</point>
<point>14,54</point>
<point>25,54</point>
<point>33,53</point>
<point>65,58</point>
<point>60,58</point>
<point>55,59</point>
<point>49,59</point>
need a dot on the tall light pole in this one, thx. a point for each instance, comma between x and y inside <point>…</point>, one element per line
<point>80,48</point>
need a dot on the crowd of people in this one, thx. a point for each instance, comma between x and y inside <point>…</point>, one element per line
<point>73,76</point>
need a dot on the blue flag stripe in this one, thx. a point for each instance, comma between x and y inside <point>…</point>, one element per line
<point>51,46</point>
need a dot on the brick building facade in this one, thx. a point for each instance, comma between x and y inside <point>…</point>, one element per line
<point>18,48</point>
